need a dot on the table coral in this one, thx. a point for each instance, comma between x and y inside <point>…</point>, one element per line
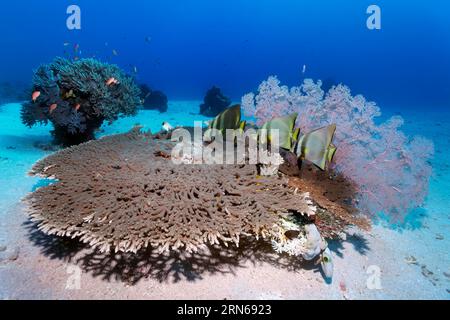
<point>118,194</point>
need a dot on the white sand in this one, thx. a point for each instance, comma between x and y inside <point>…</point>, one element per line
<point>34,266</point>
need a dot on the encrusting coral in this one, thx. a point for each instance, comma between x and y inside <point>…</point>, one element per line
<point>78,96</point>
<point>121,193</point>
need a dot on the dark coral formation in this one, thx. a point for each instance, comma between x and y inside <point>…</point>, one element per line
<point>78,96</point>
<point>120,193</point>
<point>214,103</point>
<point>153,99</point>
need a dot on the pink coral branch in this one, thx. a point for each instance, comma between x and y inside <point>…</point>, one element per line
<point>392,171</point>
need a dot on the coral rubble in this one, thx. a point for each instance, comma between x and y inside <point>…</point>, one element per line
<point>78,96</point>
<point>214,103</point>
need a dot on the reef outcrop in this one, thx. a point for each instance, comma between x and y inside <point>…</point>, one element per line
<point>214,103</point>
<point>78,96</point>
<point>153,99</point>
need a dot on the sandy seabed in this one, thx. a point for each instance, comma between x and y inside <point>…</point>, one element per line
<point>410,261</point>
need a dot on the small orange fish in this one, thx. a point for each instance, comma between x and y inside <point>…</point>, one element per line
<point>53,107</point>
<point>35,95</point>
<point>77,107</point>
<point>110,81</point>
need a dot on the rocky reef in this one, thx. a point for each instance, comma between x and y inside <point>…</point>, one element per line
<point>153,99</point>
<point>214,103</point>
<point>77,97</point>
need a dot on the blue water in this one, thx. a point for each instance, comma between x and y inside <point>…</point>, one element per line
<point>236,44</point>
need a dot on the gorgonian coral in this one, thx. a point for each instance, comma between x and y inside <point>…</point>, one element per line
<point>391,170</point>
<point>78,96</point>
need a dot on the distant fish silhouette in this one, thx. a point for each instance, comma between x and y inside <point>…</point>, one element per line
<point>114,52</point>
<point>304,69</point>
<point>148,39</point>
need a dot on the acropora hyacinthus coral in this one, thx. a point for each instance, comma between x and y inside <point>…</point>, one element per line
<point>131,197</point>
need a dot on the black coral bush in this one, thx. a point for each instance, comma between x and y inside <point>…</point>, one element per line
<point>78,96</point>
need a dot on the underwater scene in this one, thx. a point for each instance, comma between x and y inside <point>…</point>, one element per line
<point>225,150</point>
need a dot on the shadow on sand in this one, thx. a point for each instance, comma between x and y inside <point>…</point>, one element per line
<point>358,241</point>
<point>174,267</point>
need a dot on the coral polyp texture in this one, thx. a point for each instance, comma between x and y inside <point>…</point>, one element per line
<point>391,171</point>
<point>118,193</point>
<point>78,96</point>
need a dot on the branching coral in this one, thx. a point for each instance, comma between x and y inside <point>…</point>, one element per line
<point>78,96</point>
<point>118,193</point>
<point>390,170</point>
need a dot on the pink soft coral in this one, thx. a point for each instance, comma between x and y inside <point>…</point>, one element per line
<point>391,170</point>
